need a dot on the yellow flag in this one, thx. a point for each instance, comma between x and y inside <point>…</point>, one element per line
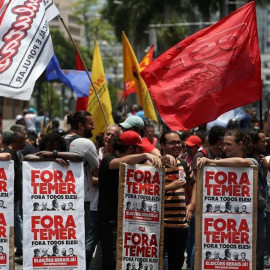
<point>131,69</point>
<point>100,83</point>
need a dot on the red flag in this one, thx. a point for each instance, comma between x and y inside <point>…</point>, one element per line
<point>81,104</point>
<point>79,63</point>
<point>130,86</point>
<point>213,71</point>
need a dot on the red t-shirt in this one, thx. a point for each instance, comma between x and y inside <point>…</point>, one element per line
<point>147,146</point>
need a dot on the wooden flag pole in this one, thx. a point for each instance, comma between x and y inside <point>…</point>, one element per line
<point>86,70</point>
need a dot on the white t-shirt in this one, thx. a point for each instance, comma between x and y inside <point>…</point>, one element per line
<point>30,119</point>
<point>87,149</point>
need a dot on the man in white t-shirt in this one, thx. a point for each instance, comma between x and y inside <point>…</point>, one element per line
<point>30,119</point>
<point>81,123</point>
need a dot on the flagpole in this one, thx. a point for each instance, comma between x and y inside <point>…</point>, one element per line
<point>48,101</point>
<point>86,70</point>
<point>125,102</point>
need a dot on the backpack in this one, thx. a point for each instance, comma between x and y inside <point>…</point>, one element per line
<point>70,139</point>
<point>204,151</point>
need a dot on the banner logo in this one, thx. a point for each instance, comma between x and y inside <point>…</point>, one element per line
<point>17,32</point>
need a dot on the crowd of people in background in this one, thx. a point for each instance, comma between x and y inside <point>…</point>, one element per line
<point>134,139</point>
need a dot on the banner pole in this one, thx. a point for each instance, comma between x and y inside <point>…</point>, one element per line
<point>48,101</point>
<point>86,70</point>
<point>125,102</point>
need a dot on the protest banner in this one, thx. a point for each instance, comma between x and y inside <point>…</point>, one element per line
<point>226,218</point>
<point>140,218</point>
<point>53,203</point>
<point>25,45</point>
<point>6,215</point>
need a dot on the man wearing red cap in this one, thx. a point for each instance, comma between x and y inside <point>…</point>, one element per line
<point>125,146</point>
<point>135,123</point>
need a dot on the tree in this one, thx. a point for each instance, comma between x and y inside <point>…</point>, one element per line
<point>64,50</point>
<point>135,16</point>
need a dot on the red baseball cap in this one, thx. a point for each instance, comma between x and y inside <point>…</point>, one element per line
<point>193,140</point>
<point>131,138</point>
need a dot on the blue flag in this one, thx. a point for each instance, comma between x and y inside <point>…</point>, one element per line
<point>75,79</point>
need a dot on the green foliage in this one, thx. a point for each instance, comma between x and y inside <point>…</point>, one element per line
<point>53,99</point>
<point>47,98</point>
<point>94,26</point>
<point>113,91</point>
<point>134,17</point>
<point>167,37</point>
<point>65,51</point>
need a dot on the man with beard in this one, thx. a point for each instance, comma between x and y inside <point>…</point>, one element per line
<point>81,124</point>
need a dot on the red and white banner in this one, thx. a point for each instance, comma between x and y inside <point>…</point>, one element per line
<point>227,218</point>
<point>53,204</point>
<point>25,45</point>
<point>140,218</point>
<point>211,72</point>
<point>3,6</point>
<point>6,213</point>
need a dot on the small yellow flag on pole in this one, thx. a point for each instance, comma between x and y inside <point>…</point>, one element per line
<point>99,80</point>
<point>131,70</point>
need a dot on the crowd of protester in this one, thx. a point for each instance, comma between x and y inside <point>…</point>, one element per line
<point>134,139</point>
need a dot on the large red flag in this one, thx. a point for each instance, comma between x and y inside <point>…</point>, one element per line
<point>82,102</point>
<point>213,71</point>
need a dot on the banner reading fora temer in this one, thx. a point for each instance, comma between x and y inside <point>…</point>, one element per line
<point>6,214</point>
<point>53,203</point>
<point>226,218</point>
<point>140,218</point>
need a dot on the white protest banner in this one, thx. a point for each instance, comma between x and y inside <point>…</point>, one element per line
<point>140,218</point>
<point>6,214</point>
<point>53,211</point>
<point>226,217</point>
<point>50,9</point>
<point>25,45</point>
<point>3,6</point>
